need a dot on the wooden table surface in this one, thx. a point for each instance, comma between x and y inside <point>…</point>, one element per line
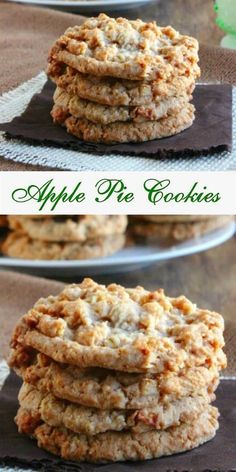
<point>196,17</point>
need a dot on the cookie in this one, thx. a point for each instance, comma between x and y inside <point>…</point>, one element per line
<point>106,389</point>
<point>179,231</point>
<point>61,112</point>
<point>130,131</point>
<point>112,92</point>
<point>91,421</point>
<point>104,115</point>
<point>169,218</point>
<point>132,330</point>
<point>104,46</point>
<point>69,228</point>
<point>119,446</point>
<point>20,246</point>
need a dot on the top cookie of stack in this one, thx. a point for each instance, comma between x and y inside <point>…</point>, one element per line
<point>121,81</point>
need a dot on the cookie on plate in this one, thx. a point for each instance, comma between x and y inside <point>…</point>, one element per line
<point>178,231</point>
<point>69,228</point>
<point>19,245</point>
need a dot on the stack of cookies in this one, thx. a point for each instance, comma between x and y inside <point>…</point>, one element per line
<point>123,81</point>
<point>64,237</point>
<point>168,228</point>
<point>112,374</point>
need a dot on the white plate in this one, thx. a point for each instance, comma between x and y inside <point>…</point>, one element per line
<point>128,259</point>
<point>82,6</point>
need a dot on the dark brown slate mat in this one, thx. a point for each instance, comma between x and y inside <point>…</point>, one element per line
<point>210,133</point>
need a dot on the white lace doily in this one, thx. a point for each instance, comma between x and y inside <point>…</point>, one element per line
<point>13,103</point>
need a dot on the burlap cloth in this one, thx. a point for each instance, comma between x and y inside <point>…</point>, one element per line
<point>26,34</point>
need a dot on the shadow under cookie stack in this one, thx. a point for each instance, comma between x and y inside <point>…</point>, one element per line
<point>64,237</point>
<point>113,374</point>
<point>123,81</point>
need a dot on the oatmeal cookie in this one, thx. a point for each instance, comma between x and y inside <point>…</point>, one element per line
<point>104,46</point>
<point>21,246</point>
<point>133,330</point>
<point>106,389</point>
<point>104,115</point>
<point>91,421</point>
<point>61,105</point>
<point>179,231</point>
<point>130,131</point>
<point>69,228</point>
<point>112,92</point>
<point>119,446</point>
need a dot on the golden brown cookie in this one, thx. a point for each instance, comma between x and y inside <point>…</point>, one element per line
<point>66,105</point>
<point>114,92</point>
<point>132,330</point>
<point>91,421</point>
<point>110,389</point>
<point>19,245</point>
<point>131,131</point>
<point>104,46</point>
<point>178,231</point>
<point>69,228</point>
<point>119,446</point>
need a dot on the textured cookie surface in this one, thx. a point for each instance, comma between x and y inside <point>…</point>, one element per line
<point>104,114</point>
<point>119,446</point>
<point>21,246</point>
<point>91,421</point>
<point>105,389</point>
<point>131,131</point>
<point>178,231</point>
<point>105,46</point>
<point>134,330</point>
<point>68,228</point>
<point>112,92</point>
